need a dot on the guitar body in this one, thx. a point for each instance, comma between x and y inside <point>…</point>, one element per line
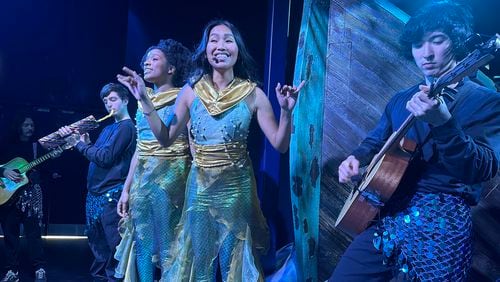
<point>388,167</point>
<point>379,184</point>
<point>8,187</point>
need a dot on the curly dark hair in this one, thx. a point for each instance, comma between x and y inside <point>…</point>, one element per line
<point>453,19</point>
<point>177,55</point>
<point>245,66</point>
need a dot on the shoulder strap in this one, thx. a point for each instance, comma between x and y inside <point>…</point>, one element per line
<point>35,150</point>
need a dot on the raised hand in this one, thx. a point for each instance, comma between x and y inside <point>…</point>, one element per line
<point>287,95</point>
<point>133,82</point>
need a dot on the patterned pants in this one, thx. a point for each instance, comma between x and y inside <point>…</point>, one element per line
<point>430,240</point>
<point>102,232</point>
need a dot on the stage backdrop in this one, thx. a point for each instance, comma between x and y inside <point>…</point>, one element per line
<point>348,88</point>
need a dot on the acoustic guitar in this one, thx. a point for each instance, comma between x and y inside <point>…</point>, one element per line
<point>8,187</point>
<point>385,171</point>
<point>54,142</point>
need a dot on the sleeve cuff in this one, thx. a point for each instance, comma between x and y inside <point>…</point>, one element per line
<point>80,146</point>
<point>362,156</point>
<point>444,132</point>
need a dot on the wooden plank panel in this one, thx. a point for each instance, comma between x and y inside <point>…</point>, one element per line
<point>364,69</point>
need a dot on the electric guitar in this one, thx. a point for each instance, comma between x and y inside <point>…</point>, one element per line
<point>385,171</point>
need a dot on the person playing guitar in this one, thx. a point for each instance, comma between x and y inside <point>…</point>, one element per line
<point>25,206</point>
<point>424,231</point>
<point>10,174</point>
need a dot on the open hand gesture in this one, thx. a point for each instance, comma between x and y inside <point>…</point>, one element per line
<point>287,95</point>
<point>133,82</point>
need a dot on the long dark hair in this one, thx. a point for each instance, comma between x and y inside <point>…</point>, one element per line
<point>16,126</point>
<point>245,66</point>
<point>453,19</point>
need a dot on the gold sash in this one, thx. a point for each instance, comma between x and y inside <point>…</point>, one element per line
<point>178,149</point>
<point>162,98</point>
<point>220,154</point>
<point>217,102</point>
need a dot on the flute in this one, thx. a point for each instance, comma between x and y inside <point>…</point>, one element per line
<point>82,126</point>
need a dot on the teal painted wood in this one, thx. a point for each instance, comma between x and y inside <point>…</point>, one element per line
<point>307,132</point>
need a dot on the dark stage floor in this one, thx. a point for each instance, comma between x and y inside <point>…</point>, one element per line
<point>67,260</point>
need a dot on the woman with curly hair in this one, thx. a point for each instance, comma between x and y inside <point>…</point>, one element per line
<point>222,225</point>
<point>153,196</point>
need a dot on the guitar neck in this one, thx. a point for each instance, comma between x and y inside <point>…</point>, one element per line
<point>37,161</point>
<point>467,66</point>
<point>395,137</point>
